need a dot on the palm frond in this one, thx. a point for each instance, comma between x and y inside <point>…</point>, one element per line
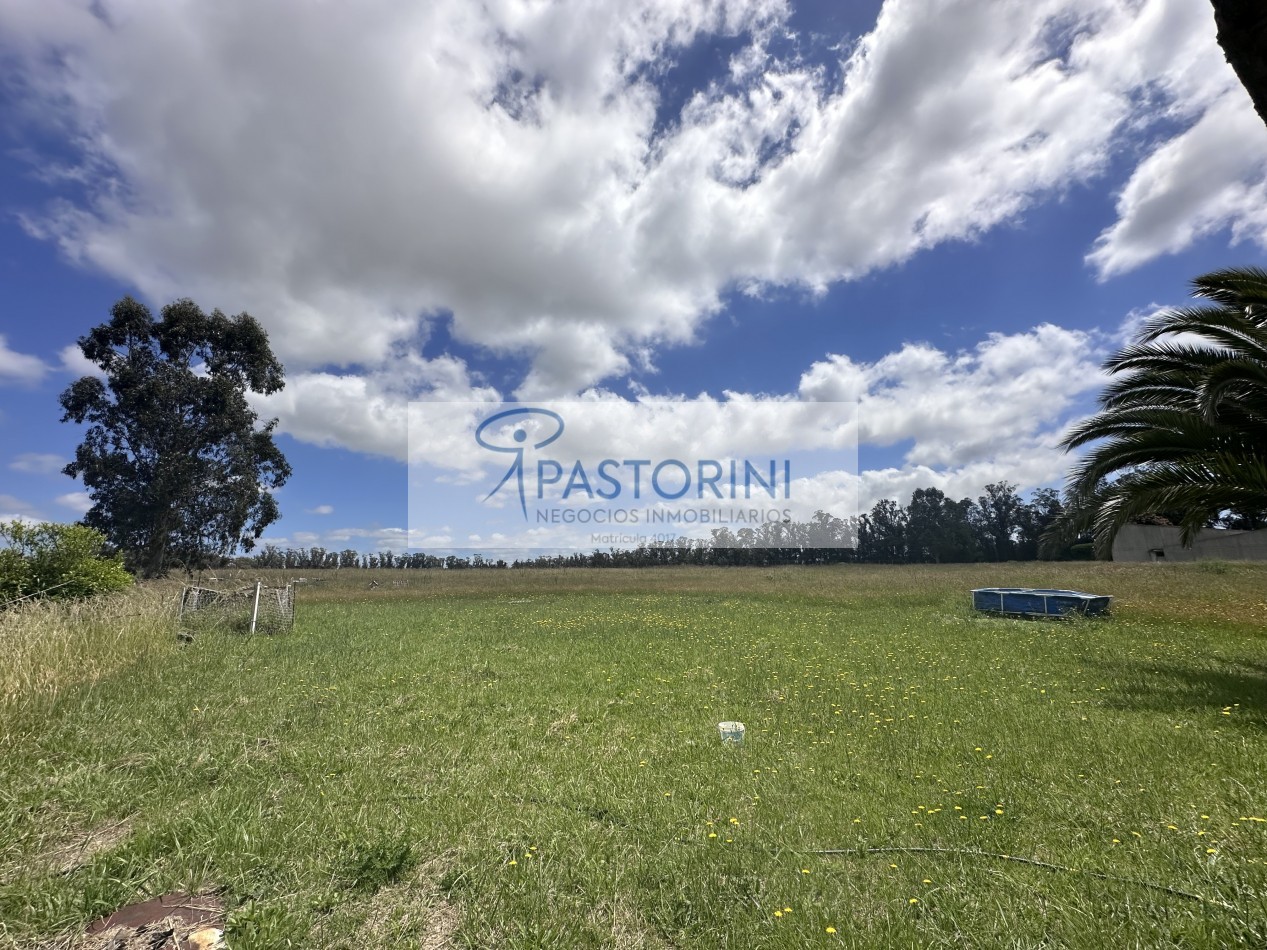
<point>1225,327</point>
<point>1182,426</point>
<point>1164,355</point>
<point>1233,286</point>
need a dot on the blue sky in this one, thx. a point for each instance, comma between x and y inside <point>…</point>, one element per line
<point>950,212</point>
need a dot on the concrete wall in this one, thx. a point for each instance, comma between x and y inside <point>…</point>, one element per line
<point>1146,542</point>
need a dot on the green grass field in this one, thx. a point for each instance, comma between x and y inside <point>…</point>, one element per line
<point>530,759</point>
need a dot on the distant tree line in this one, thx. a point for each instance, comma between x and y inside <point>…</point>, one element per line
<point>933,529</point>
<point>319,558</point>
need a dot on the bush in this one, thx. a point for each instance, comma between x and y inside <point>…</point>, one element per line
<point>56,560</point>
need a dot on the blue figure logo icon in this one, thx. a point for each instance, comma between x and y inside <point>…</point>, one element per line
<point>552,429</point>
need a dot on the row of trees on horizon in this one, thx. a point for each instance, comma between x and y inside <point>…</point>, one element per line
<point>998,526</point>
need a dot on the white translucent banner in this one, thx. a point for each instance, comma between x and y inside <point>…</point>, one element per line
<point>607,473</point>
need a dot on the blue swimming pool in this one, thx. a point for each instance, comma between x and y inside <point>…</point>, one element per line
<point>1038,601</point>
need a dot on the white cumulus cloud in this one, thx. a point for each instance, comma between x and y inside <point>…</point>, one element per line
<point>17,509</point>
<point>38,463</point>
<point>347,172</point>
<point>76,501</point>
<point>964,419</point>
<point>18,367</point>
<point>75,363</point>
<point>1209,178</point>
<point>957,407</point>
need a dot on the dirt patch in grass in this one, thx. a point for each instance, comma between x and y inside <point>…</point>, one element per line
<point>73,852</point>
<point>629,929</point>
<point>562,724</point>
<point>440,928</point>
<point>78,852</point>
<point>409,913</point>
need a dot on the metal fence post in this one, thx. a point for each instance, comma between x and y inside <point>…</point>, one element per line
<point>255,611</point>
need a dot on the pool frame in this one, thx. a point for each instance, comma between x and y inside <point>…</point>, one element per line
<point>1039,601</point>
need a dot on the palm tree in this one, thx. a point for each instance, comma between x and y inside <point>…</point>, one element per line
<point>1182,427</point>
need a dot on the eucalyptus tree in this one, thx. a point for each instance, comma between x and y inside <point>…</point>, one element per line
<point>174,463</point>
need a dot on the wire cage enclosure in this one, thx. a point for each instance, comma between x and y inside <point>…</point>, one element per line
<point>254,609</point>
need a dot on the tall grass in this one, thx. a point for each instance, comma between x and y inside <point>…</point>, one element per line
<point>50,645</point>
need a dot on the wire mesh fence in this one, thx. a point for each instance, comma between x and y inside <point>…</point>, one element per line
<point>254,609</point>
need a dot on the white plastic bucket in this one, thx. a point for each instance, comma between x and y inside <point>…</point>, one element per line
<point>731,731</point>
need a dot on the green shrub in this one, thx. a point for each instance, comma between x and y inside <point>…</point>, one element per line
<point>56,560</point>
<point>369,865</point>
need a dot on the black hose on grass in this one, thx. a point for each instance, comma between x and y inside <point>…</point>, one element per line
<point>963,852</point>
